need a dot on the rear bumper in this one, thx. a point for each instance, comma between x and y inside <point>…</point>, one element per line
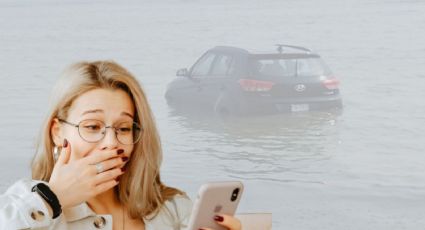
<point>264,106</point>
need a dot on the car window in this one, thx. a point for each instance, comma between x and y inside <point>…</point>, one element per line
<point>311,67</point>
<point>273,67</point>
<point>223,66</point>
<point>203,66</point>
<point>288,67</point>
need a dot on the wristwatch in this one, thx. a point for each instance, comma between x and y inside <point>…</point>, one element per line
<point>44,191</point>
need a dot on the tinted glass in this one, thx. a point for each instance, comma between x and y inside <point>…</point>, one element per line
<point>288,67</point>
<point>203,66</point>
<point>311,67</point>
<point>223,66</point>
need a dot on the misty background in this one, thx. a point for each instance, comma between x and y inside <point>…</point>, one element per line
<point>361,169</point>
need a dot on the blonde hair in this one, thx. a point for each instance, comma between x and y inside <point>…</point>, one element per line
<point>140,188</point>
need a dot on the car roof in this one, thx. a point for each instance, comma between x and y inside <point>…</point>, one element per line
<point>282,51</point>
<point>230,49</point>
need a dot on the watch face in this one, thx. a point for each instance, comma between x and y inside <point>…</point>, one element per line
<point>43,191</point>
<point>41,186</point>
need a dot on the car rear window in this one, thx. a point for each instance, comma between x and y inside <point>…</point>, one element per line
<point>288,67</point>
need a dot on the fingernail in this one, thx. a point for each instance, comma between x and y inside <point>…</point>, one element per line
<point>125,159</point>
<point>122,169</point>
<point>120,151</point>
<point>65,143</point>
<point>117,179</point>
<point>218,218</point>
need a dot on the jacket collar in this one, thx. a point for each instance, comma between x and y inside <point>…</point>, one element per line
<point>78,212</point>
<point>83,210</point>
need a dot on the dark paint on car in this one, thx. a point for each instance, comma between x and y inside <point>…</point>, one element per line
<point>234,81</point>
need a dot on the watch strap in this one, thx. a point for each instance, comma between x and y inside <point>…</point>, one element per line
<point>50,197</point>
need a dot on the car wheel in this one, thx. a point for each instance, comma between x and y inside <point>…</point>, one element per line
<point>223,112</point>
<point>223,107</point>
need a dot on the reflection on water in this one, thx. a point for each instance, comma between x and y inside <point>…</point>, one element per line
<point>271,148</point>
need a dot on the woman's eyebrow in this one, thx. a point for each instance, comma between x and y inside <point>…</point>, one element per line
<point>127,114</point>
<point>92,111</point>
<point>101,111</point>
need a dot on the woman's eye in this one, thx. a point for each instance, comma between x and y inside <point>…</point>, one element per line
<point>124,130</point>
<point>92,127</point>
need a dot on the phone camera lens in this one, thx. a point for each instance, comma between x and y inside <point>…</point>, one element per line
<point>234,194</point>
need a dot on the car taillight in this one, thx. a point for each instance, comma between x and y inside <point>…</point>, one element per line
<point>331,83</point>
<point>255,85</point>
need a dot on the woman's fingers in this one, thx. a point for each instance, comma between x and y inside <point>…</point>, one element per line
<point>111,163</point>
<point>227,221</point>
<point>96,158</point>
<point>77,181</point>
<point>106,165</point>
<point>107,176</point>
<point>65,153</point>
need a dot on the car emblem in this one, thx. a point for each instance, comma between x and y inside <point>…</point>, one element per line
<point>299,87</point>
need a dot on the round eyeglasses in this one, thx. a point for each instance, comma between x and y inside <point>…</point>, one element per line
<point>92,131</point>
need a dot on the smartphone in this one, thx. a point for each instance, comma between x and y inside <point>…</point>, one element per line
<point>215,198</point>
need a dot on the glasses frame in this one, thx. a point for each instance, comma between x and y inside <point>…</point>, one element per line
<point>104,133</point>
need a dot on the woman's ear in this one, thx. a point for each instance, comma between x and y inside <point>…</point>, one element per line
<point>56,133</point>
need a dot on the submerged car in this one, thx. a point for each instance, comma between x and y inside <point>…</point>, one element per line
<point>230,80</point>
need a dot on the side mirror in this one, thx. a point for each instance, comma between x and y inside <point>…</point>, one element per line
<point>182,72</point>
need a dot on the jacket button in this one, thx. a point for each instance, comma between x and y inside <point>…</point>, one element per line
<point>37,215</point>
<point>99,222</point>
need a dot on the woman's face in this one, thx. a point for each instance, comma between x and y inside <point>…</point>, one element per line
<point>112,107</point>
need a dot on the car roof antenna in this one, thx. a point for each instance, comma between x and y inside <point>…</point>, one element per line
<point>279,48</point>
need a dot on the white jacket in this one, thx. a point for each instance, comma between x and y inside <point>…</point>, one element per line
<point>22,209</point>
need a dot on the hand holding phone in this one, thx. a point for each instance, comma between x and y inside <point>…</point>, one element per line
<point>213,199</point>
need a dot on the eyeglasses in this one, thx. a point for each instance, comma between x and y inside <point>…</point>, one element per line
<point>92,131</point>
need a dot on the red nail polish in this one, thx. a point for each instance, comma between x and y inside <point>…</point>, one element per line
<point>120,151</point>
<point>117,179</point>
<point>122,169</point>
<point>218,218</point>
<point>125,159</point>
<point>65,143</point>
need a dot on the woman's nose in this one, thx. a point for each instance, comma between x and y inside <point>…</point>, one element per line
<point>110,140</point>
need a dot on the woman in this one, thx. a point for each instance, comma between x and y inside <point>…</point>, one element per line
<point>97,161</point>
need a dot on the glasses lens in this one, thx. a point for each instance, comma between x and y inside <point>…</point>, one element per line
<point>91,130</point>
<point>128,133</point>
